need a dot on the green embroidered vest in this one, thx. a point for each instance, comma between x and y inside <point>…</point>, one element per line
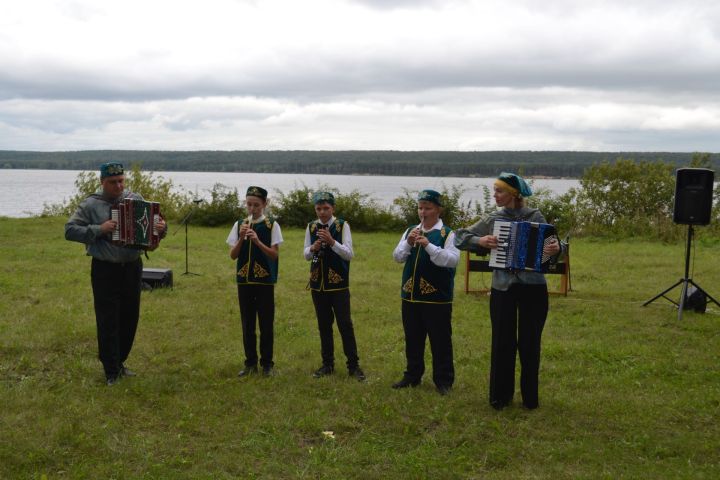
<point>422,280</point>
<point>328,271</point>
<point>253,266</point>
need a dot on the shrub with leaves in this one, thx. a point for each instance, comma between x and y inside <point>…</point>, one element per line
<point>455,212</point>
<point>224,208</point>
<point>151,187</point>
<point>296,209</point>
<point>627,198</point>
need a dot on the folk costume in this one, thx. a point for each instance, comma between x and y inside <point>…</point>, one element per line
<point>115,274</point>
<point>518,307</point>
<point>256,276</point>
<point>427,293</point>
<point>330,289</point>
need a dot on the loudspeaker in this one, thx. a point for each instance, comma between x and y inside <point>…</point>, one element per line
<point>157,278</point>
<point>693,196</point>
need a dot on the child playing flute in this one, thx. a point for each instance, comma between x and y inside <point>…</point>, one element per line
<point>430,258</point>
<point>255,244</point>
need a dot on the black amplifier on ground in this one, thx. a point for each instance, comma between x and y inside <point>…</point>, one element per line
<point>157,278</point>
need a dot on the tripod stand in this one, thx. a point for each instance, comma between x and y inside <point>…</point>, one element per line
<point>185,221</point>
<point>685,281</point>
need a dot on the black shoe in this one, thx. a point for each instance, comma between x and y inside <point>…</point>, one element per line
<point>110,381</point>
<point>126,372</point>
<point>406,382</point>
<point>248,371</point>
<point>357,373</point>
<point>443,389</point>
<point>268,371</point>
<point>499,404</point>
<point>324,371</point>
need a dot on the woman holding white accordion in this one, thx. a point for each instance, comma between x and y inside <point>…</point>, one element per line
<point>518,299</point>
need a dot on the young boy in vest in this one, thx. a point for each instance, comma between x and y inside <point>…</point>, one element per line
<point>254,243</point>
<point>328,246</point>
<point>430,258</point>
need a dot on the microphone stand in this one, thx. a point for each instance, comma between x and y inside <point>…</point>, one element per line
<point>185,221</point>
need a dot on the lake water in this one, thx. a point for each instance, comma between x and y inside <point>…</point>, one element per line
<point>24,192</point>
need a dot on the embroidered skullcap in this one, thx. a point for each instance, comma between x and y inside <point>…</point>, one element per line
<point>319,197</point>
<point>256,192</point>
<point>111,169</point>
<point>430,196</point>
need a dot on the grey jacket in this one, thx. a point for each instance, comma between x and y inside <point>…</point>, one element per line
<point>84,227</point>
<point>469,238</point>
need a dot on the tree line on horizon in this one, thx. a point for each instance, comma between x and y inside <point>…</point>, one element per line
<point>621,199</point>
<point>565,164</point>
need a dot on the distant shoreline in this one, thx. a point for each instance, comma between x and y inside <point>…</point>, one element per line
<point>531,164</point>
<point>529,177</point>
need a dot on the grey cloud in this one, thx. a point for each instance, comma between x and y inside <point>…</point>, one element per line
<point>343,76</point>
<point>637,77</point>
<point>392,4</point>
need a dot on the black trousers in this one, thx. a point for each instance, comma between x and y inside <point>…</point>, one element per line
<point>329,307</point>
<point>518,318</point>
<point>116,293</point>
<point>257,301</point>
<point>433,320</point>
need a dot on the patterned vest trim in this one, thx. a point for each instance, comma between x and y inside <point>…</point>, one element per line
<point>329,272</point>
<point>422,280</point>
<point>253,266</point>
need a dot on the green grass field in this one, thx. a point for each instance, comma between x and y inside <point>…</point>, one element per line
<point>626,391</point>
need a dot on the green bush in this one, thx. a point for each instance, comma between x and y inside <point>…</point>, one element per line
<point>224,208</point>
<point>365,214</point>
<point>152,188</point>
<point>560,210</point>
<point>296,209</point>
<point>626,198</point>
<point>157,189</point>
<point>455,213</point>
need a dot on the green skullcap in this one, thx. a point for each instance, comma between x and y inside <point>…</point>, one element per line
<point>430,196</point>
<point>111,169</point>
<point>319,197</point>
<point>257,192</point>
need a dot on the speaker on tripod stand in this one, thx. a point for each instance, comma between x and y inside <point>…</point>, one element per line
<point>693,196</point>
<point>692,206</point>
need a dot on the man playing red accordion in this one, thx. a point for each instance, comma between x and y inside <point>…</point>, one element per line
<point>115,273</point>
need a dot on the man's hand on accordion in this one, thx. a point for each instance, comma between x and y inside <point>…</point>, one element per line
<point>107,227</point>
<point>162,229</point>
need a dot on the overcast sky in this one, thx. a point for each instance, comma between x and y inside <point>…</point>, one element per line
<point>617,75</point>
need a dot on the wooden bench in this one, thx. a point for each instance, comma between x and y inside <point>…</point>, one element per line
<point>481,264</point>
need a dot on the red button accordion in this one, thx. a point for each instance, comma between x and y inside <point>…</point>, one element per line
<point>520,246</point>
<point>136,225</point>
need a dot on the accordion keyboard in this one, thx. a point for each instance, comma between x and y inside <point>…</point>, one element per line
<point>499,255</point>
<point>115,216</point>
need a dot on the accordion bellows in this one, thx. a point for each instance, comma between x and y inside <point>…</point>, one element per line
<point>137,222</point>
<point>520,246</point>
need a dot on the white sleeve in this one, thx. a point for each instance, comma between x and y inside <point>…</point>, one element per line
<point>402,251</point>
<point>444,257</point>
<point>276,237</point>
<point>345,249</point>
<point>233,236</point>
<point>306,250</point>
